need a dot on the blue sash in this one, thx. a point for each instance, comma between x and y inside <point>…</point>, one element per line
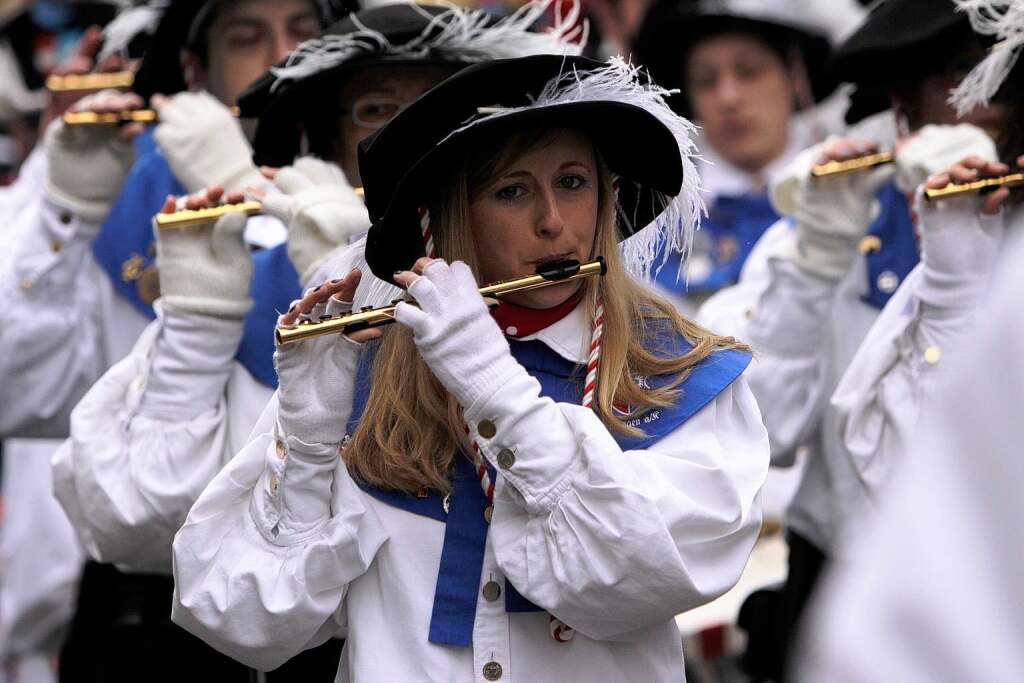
<point>127,238</point>
<point>465,538</point>
<point>726,237</point>
<point>888,265</point>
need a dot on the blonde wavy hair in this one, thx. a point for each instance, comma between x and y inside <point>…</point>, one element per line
<point>412,429</point>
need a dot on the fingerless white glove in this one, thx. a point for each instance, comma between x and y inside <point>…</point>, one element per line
<point>319,207</point>
<point>315,387</point>
<point>935,148</point>
<point>206,269</point>
<point>832,214</point>
<point>455,333</point>
<point>87,164</point>
<point>960,247</point>
<point>204,143</point>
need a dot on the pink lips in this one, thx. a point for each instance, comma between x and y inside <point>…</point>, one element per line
<point>552,258</point>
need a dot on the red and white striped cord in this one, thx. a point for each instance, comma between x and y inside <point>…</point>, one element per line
<point>560,631</point>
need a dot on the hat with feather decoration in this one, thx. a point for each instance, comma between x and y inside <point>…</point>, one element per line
<point>291,96</point>
<point>646,145</point>
<point>999,75</point>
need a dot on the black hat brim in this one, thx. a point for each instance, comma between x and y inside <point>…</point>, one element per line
<point>406,163</point>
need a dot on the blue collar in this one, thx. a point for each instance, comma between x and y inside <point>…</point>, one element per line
<point>465,538</point>
<point>126,251</point>
<point>725,239</point>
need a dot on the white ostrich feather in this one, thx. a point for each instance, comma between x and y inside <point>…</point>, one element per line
<point>1003,19</point>
<point>457,34</point>
<point>620,81</point>
<point>127,25</point>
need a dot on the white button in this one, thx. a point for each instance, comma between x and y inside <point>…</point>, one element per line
<point>511,330</point>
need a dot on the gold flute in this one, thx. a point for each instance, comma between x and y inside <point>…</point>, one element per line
<point>93,118</point>
<point>97,81</point>
<point>834,168</point>
<point>549,274</point>
<point>976,187</point>
<point>189,217</point>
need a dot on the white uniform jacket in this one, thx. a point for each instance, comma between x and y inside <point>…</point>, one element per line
<point>154,430</point>
<point>614,543</point>
<point>908,350</point>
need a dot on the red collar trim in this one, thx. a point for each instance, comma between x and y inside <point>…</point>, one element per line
<point>519,321</point>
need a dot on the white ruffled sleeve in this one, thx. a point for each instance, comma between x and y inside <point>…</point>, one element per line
<point>909,348</point>
<point>782,311</point>
<point>150,435</point>
<point>264,560</point>
<point>50,300</point>
<point>611,541</point>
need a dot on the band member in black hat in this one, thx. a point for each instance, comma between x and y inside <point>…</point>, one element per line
<point>751,75</point>
<point>931,402</point>
<point>854,242</point>
<point>586,452</point>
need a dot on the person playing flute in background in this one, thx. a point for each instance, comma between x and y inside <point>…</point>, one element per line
<point>72,308</point>
<point>852,242</point>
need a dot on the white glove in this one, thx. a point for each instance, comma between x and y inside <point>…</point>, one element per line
<point>832,214</point>
<point>960,246</point>
<point>204,143</point>
<point>319,207</point>
<point>455,333</point>
<point>206,269</point>
<point>315,385</point>
<point>88,164</point>
<point>935,148</point>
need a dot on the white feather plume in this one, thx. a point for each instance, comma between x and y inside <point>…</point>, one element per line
<point>456,34</point>
<point>128,24</point>
<point>620,81</point>
<point>1003,19</point>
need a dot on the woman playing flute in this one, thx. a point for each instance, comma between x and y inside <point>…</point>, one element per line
<point>529,496</point>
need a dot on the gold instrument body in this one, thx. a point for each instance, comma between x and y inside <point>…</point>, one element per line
<point>189,217</point>
<point>834,168</point>
<point>375,317</point>
<point>978,186</point>
<point>92,118</point>
<point>96,81</point>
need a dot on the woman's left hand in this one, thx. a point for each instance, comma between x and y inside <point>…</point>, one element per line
<point>454,331</point>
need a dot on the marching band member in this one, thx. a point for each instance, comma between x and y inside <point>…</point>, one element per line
<point>752,74</point>
<point>895,371</point>
<point>56,277</point>
<point>612,519</point>
<point>77,289</point>
<point>932,428</point>
<point>853,242</point>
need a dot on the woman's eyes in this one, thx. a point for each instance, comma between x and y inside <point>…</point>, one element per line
<point>567,182</point>
<point>510,192</point>
<point>572,182</point>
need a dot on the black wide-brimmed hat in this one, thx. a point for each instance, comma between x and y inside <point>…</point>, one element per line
<point>286,97</point>
<point>184,25</point>
<point>406,164</point>
<point>672,27</point>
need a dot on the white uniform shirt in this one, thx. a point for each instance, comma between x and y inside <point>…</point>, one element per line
<point>613,543</point>
<point>62,324</point>
<point>932,591</point>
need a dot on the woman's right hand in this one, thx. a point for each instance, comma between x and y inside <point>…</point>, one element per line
<point>316,376</point>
